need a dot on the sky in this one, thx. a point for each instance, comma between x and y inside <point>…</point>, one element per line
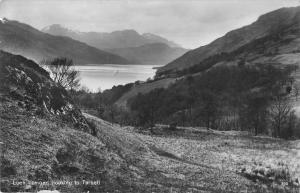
<point>190,23</point>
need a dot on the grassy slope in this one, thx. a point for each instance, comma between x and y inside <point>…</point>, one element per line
<point>160,169</point>
<point>187,160</point>
<point>45,149</point>
<point>229,150</point>
<point>194,159</point>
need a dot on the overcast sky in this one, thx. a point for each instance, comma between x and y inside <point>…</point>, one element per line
<point>191,23</point>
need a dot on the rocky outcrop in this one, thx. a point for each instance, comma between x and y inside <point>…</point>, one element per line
<point>29,84</point>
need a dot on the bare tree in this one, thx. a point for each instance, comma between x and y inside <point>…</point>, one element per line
<point>62,72</point>
<point>280,111</point>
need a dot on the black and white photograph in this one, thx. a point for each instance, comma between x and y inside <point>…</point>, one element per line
<point>150,96</point>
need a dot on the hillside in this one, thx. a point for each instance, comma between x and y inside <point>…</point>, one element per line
<point>266,41</point>
<point>45,140</point>
<point>284,23</point>
<point>48,144</point>
<point>115,39</point>
<point>19,38</point>
<point>143,88</point>
<point>156,53</point>
<point>44,136</point>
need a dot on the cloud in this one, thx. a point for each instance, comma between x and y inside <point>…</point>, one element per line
<point>190,23</point>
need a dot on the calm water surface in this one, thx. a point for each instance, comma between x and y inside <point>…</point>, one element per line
<point>105,76</point>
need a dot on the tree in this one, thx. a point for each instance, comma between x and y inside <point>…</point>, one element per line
<point>191,96</point>
<point>256,113</point>
<point>111,111</point>
<point>208,108</point>
<point>280,112</point>
<point>62,72</point>
<point>147,106</point>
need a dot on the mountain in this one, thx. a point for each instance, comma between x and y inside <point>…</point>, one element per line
<point>266,41</point>
<point>155,53</point>
<point>115,39</point>
<point>283,23</point>
<point>152,38</point>
<point>20,38</point>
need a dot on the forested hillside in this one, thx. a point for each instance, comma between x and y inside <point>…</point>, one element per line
<point>253,97</point>
<point>247,97</point>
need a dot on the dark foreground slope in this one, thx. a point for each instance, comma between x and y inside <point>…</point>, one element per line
<point>45,137</point>
<point>23,39</point>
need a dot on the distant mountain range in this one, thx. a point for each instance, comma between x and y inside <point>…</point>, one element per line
<point>20,38</point>
<point>112,40</point>
<point>155,53</point>
<point>137,48</point>
<point>274,37</point>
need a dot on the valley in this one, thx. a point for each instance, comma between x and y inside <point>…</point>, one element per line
<point>132,111</point>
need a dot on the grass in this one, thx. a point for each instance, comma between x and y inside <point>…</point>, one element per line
<point>46,149</point>
<point>126,160</point>
<point>232,152</point>
<point>196,159</point>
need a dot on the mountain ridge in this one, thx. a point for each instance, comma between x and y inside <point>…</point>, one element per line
<point>266,24</point>
<point>109,40</point>
<point>23,39</point>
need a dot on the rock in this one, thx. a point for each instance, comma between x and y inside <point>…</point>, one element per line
<point>29,84</point>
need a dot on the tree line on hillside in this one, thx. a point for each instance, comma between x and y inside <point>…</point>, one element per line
<point>254,97</point>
